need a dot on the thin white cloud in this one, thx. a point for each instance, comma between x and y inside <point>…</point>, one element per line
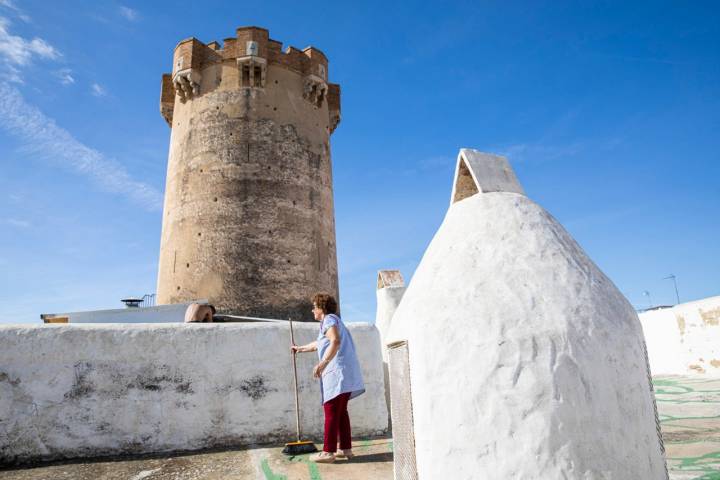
<point>12,73</point>
<point>65,76</point>
<point>41,136</point>
<point>98,90</point>
<point>10,5</point>
<point>18,51</point>
<point>540,152</point>
<point>14,222</point>
<point>129,13</point>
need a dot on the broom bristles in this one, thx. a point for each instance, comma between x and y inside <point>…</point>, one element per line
<point>299,447</point>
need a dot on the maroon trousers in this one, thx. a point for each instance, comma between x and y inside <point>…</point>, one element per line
<point>337,421</point>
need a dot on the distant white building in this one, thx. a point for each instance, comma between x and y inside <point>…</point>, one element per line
<point>684,339</point>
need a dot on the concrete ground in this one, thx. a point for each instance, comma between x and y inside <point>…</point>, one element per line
<point>373,460</point>
<point>689,412</point>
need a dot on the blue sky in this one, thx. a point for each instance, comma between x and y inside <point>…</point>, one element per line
<point>608,111</point>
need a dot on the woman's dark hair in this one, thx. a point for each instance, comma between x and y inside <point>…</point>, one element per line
<point>325,302</point>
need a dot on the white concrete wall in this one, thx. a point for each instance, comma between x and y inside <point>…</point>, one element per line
<point>684,339</point>
<point>85,390</point>
<point>174,313</point>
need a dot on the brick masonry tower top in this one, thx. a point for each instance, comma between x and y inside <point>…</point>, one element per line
<point>248,220</point>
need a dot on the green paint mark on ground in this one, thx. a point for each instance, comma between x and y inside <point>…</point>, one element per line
<point>313,471</point>
<point>692,402</point>
<point>707,464</point>
<point>709,476</point>
<point>269,475</point>
<point>699,417</point>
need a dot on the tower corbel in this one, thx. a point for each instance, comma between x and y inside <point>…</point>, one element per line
<point>187,83</point>
<point>315,90</point>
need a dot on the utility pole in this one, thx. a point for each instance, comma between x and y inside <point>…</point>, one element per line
<point>647,294</point>
<point>672,277</point>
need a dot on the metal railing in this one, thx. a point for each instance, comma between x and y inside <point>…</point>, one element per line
<point>148,300</point>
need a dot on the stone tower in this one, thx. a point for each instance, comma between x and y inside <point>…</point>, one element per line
<point>248,220</point>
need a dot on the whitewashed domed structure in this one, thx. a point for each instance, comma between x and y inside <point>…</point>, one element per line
<point>525,361</point>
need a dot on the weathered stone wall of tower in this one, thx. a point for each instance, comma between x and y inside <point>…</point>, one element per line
<point>248,221</point>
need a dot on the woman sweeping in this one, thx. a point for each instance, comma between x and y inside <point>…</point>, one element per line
<point>339,374</point>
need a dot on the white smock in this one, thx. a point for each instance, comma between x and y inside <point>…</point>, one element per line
<point>342,373</point>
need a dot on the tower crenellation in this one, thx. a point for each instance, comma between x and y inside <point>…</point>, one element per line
<point>253,51</point>
<point>248,221</point>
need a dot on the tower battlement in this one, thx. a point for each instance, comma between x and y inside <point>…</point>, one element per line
<point>252,52</point>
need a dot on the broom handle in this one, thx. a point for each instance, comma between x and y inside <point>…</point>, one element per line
<point>295,384</point>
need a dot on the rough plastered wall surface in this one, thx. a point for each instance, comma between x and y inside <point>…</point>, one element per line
<point>684,339</point>
<point>526,351</point>
<point>248,218</point>
<point>87,390</point>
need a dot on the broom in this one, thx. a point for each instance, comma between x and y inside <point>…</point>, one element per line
<point>301,446</point>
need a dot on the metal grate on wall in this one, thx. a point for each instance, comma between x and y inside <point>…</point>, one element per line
<point>405,466</point>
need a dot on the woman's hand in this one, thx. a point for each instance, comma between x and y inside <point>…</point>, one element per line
<point>317,371</point>
<point>310,347</point>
